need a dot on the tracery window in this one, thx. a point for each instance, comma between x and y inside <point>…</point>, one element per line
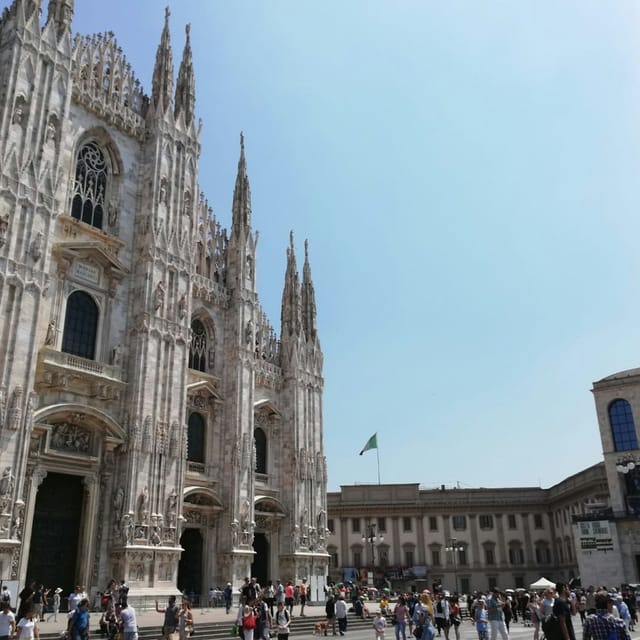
<point>80,325</point>
<point>623,427</point>
<point>195,438</point>
<point>90,185</point>
<point>198,350</point>
<point>261,450</point>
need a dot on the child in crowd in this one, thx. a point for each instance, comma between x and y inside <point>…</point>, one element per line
<point>481,617</point>
<point>379,624</point>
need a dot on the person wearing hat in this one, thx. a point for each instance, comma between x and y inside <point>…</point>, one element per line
<point>495,609</point>
<point>228,597</point>
<point>56,605</point>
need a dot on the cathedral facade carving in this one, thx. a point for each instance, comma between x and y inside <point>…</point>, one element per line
<point>154,425</point>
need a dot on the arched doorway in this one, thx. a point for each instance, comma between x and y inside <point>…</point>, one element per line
<point>260,565</point>
<point>190,566</point>
<point>53,553</point>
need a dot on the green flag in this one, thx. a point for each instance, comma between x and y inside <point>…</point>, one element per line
<point>372,443</point>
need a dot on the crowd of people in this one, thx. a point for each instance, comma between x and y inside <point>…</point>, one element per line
<point>267,611</point>
<point>602,614</point>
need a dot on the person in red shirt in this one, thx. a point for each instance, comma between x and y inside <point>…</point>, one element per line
<point>289,598</point>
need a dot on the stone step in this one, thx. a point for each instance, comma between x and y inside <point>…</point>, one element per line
<point>218,630</point>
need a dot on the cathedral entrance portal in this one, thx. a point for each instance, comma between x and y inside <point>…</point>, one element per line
<point>190,566</point>
<point>260,565</point>
<point>53,553</point>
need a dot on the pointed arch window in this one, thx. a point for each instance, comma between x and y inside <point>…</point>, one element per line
<point>80,325</point>
<point>198,350</point>
<point>623,428</point>
<point>196,435</point>
<point>90,185</point>
<point>261,450</point>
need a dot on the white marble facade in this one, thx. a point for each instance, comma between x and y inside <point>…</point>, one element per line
<point>137,367</point>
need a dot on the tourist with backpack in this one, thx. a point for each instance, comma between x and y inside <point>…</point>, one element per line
<point>441,615</point>
<point>282,620</point>
<point>263,626</point>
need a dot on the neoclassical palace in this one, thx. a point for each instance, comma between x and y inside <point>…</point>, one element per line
<point>154,425</point>
<point>465,539</point>
<point>587,526</point>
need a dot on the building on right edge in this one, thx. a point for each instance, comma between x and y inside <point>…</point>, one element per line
<point>608,541</point>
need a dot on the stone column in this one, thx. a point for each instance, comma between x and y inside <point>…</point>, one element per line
<point>502,551</point>
<point>475,545</point>
<point>420,539</point>
<point>528,551</point>
<point>395,536</point>
<point>88,536</point>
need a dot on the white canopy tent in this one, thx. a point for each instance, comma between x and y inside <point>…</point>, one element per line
<point>541,584</point>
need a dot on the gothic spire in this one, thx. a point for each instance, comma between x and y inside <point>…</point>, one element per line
<point>241,209</point>
<point>60,12</point>
<point>290,315</point>
<point>186,85</point>
<point>308,298</point>
<point>162,83</point>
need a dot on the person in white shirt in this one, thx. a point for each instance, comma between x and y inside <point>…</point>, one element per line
<point>129,622</point>
<point>7,622</point>
<point>28,628</point>
<point>341,614</point>
<point>75,597</point>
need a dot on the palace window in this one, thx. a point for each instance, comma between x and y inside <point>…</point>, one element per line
<point>537,521</point>
<point>198,349</point>
<point>433,523</point>
<point>90,185</point>
<point>406,524</point>
<point>623,428</point>
<point>382,524</point>
<point>355,525</point>
<point>261,450</point>
<point>486,522</point>
<point>459,523</point>
<point>511,521</point>
<point>80,326</point>
<point>489,554</point>
<point>195,446</point>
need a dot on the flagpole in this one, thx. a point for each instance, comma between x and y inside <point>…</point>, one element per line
<point>378,456</point>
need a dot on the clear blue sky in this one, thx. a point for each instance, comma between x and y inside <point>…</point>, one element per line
<point>467,176</point>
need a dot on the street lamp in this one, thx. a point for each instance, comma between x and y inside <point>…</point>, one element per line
<point>372,539</point>
<point>455,548</point>
<point>626,464</point>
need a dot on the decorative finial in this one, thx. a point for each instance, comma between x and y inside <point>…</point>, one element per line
<point>291,238</point>
<point>306,249</point>
<point>242,141</point>
<point>188,31</point>
<point>167,13</point>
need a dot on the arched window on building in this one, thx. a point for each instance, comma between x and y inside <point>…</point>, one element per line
<point>623,428</point>
<point>80,325</point>
<point>198,350</point>
<point>261,450</point>
<point>90,185</point>
<point>196,438</point>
